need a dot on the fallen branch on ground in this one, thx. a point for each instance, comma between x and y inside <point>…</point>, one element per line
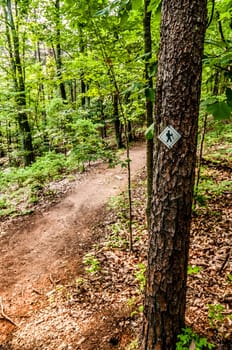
<point>4,316</point>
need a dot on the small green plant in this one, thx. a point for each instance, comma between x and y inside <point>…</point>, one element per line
<point>140,276</point>
<point>193,270</point>
<point>134,308</point>
<point>118,203</point>
<point>60,291</point>
<point>3,203</point>
<point>188,336</point>
<point>131,303</point>
<point>117,237</point>
<point>229,278</point>
<point>133,345</point>
<point>91,263</point>
<point>79,281</point>
<point>209,186</point>
<point>33,199</point>
<point>116,241</point>
<point>215,314</point>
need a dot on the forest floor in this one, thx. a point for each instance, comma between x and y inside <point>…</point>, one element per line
<point>68,281</point>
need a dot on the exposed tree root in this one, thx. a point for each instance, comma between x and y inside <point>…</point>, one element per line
<point>4,316</point>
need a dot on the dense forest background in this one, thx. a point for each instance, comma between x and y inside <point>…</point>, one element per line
<point>74,85</point>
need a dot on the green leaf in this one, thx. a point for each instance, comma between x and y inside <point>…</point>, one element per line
<point>155,6</point>
<point>153,69</point>
<point>208,101</point>
<point>144,56</point>
<point>149,133</point>
<point>220,110</point>
<point>124,18</point>
<point>135,87</point>
<point>136,4</point>
<point>226,58</point>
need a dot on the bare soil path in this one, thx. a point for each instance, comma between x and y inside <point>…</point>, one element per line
<point>38,250</point>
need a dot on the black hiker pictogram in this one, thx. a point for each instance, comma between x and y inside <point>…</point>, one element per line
<point>169,136</point>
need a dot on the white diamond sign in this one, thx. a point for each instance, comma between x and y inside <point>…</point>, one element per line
<point>169,136</point>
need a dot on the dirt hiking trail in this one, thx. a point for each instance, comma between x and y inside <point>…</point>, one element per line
<point>40,249</point>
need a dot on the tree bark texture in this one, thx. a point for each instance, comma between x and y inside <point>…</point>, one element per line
<point>178,85</point>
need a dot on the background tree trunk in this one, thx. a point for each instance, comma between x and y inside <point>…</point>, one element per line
<point>149,103</point>
<point>59,65</point>
<point>117,122</point>
<point>13,42</point>
<point>177,104</point>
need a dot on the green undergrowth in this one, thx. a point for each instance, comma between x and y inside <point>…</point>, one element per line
<point>219,132</point>
<point>210,186</point>
<point>218,141</point>
<point>214,183</point>
<point>21,188</point>
<point>188,338</point>
<point>118,237</point>
<point>118,230</point>
<point>217,159</point>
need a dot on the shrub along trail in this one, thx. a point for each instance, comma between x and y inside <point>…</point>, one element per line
<point>95,303</point>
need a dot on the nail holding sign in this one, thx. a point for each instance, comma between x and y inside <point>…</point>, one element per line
<point>169,136</point>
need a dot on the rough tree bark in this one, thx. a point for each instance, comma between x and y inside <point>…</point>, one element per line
<point>178,84</point>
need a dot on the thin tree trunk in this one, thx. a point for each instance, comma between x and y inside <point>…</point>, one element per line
<point>59,65</point>
<point>2,153</point>
<point>199,160</point>
<point>83,90</point>
<point>103,119</point>
<point>74,89</point>
<point>19,83</point>
<point>130,131</point>
<point>82,76</point>
<point>117,122</point>
<point>177,104</point>
<point>42,101</point>
<point>149,103</point>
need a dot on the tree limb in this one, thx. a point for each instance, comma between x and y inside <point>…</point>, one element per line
<point>212,13</point>
<point>4,316</point>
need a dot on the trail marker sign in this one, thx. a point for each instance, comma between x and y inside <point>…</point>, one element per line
<point>169,136</point>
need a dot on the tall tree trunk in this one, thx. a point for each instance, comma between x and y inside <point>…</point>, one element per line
<point>74,90</point>
<point>42,101</point>
<point>82,47</point>
<point>149,103</point>
<point>59,65</point>
<point>103,119</point>
<point>177,104</point>
<point>19,84</point>
<point>8,140</point>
